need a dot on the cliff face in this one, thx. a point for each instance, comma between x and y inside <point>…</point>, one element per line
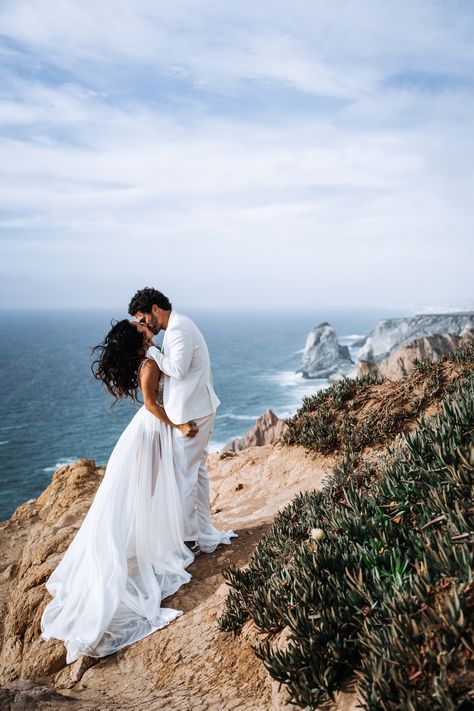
<point>401,360</point>
<point>267,430</point>
<point>323,356</point>
<point>390,334</point>
<point>191,663</point>
<point>33,541</point>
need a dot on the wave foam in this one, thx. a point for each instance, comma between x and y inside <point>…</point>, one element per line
<point>62,463</point>
<point>231,416</point>
<point>216,446</point>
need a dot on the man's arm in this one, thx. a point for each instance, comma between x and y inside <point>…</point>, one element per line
<point>177,364</point>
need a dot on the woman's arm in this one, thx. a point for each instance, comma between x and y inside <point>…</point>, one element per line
<point>149,378</point>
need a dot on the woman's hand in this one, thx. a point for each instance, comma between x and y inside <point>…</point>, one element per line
<point>147,334</point>
<point>188,429</point>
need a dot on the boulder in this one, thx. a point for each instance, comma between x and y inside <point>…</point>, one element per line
<point>267,430</point>
<point>323,356</point>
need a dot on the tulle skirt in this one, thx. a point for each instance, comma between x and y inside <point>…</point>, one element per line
<point>129,552</point>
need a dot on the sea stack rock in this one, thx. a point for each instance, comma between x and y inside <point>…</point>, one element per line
<point>390,334</point>
<point>323,356</point>
<point>267,430</point>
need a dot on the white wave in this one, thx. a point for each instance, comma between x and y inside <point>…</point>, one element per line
<point>62,463</point>
<point>216,446</point>
<point>284,414</point>
<point>231,416</point>
<point>4,442</point>
<point>291,388</point>
<point>283,377</point>
<point>289,378</point>
<point>11,427</point>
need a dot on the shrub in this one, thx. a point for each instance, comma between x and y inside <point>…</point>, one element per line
<point>353,414</point>
<point>388,593</point>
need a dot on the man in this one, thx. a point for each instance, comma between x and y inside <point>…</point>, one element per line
<point>188,396</point>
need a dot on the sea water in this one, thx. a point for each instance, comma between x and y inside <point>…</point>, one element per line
<point>53,412</point>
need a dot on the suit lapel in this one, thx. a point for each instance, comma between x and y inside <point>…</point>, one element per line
<point>165,338</point>
<point>165,343</point>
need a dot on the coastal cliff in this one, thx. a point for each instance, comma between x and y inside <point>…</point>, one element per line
<point>401,361</point>
<point>191,663</point>
<point>392,333</point>
<point>390,349</point>
<point>327,514</point>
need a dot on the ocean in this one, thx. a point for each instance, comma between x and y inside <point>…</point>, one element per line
<point>53,412</point>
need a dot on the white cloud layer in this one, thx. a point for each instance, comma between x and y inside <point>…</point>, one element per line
<point>306,154</point>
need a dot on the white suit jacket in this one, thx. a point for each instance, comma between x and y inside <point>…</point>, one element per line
<point>188,391</point>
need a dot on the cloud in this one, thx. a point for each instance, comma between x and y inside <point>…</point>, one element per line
<point>137,139</point>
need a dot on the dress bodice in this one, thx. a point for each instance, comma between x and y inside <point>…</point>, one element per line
<point>161,383</point>
<point>159,392</point>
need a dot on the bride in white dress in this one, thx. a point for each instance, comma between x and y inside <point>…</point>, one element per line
<point>128,554</point>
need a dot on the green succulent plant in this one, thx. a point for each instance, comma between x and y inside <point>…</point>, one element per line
<point>388,592</point>
<point>334,420</point>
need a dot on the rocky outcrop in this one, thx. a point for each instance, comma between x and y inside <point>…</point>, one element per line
<point>401,361</point>
<point>390,334</point>
<point>190,664</point>
<point>267,430</point>
<point>323,356</point>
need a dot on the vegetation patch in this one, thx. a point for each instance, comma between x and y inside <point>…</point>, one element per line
<point>374,573</point>
<point>353,414</point>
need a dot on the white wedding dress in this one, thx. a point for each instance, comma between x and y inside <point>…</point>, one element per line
<point>128,554</point>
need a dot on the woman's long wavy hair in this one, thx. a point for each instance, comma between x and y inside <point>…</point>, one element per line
<point>119,356</point>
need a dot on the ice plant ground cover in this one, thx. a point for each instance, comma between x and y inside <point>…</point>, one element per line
<point>356,413</point>
<point>387,593</point>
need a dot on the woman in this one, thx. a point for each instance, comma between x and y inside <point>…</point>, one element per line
<point>129,552</point>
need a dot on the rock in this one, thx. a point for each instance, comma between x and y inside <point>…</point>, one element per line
<point>360,342</point>
<point>37,543</point>
<point>401,361</point>
<point>467,336</point>
<point>267,430</point>
<point>323,356</point>
<point>25,695</point>
<point>390,334</point>
<point>174,669</point>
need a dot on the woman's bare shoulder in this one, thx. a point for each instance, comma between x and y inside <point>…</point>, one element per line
<point>148,370</point>
<point>149,364</point>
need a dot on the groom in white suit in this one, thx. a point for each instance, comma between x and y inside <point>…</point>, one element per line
<point>188,396</point>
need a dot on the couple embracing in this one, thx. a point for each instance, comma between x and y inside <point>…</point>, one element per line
<point>150,516</point>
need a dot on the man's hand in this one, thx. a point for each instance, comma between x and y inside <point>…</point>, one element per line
<point>189,429</point>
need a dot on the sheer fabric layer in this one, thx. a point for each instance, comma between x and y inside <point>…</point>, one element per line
<point>128,553</point>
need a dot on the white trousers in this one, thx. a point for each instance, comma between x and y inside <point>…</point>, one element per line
<point>190,455</point>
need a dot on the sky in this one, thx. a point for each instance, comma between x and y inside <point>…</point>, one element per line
<point>236,154</point>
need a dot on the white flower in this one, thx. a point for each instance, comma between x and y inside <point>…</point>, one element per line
<point>317,534</point>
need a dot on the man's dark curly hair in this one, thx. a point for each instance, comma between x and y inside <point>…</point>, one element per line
<point>120,355</point>
<point>144,300</point>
